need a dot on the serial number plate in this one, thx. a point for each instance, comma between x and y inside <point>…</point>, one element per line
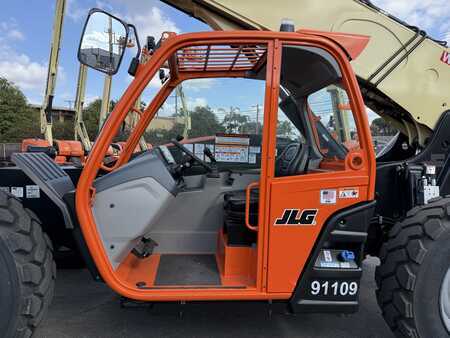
<point>327,288</point>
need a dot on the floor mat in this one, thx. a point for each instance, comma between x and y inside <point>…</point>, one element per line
<point>187,270</point>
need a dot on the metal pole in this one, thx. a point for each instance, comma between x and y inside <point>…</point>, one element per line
<point>106,97</point>
<point>340,116</point>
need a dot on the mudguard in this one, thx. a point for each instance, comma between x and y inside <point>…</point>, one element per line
<point>44,172</point>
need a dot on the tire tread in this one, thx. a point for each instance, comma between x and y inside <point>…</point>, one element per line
<point>401,256</point>
<point>21,230</point>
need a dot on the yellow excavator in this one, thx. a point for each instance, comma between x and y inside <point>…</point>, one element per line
<point>403,73</point>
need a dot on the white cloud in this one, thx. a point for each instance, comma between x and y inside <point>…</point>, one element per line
<point>152,22</point>
<point>168,108</point>
<point>74,11</point>
<point>19,68</point>
<point>9,30</point>
<point>426,14</point>
<point>196,102</point>
<point>23,72</point>
<point>89,98</point>
<point>103,5</point>
<point>197,85</point>
<point>155,82</point>
<point>447,37</point>
<point>145,15</point>
<point>15,34</point>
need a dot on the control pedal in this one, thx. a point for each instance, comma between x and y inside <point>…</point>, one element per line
<point>144,248</point>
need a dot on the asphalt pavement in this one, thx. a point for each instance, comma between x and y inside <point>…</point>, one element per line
<point>84,308</point>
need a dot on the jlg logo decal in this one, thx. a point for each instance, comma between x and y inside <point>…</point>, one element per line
<point>445,58</point>
<point>297,217</point>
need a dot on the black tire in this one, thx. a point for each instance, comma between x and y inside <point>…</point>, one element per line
<point>414,261</point>
<point>27,269</point>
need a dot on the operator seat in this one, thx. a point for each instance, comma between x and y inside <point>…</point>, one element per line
<point>292,161</point>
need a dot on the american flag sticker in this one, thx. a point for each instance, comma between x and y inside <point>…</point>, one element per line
<point>328,196</point>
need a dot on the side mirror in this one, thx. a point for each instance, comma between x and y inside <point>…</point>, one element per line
<point>103,42</point>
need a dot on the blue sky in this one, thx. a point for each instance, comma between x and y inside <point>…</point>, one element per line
<point>25,42</point>
<point>26,26</point>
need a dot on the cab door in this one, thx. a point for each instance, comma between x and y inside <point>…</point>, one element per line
<point>323,160</point>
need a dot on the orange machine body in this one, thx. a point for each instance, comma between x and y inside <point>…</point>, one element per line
<point>276,263</point>
<point>65,150</point>
<point>34,142</point>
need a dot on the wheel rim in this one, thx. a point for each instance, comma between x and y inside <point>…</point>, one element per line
<point>445,300</point>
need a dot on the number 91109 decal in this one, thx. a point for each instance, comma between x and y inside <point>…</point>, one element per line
<point>334,288</point>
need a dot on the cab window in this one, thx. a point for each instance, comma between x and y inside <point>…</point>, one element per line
<point>333,122</point>
<point>224,114</point>
<point>315,122</point>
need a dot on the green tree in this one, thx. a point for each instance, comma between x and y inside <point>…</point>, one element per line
<point>63,130</point>
<point>17,120</point>
<point>251,128</point>
<point>233,121</point>
<point>158,137</point>
<point>204,122</point>
<point>91,117</point>
<point>284,128</point>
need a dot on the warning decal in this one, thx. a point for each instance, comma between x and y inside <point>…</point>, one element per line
<point>32,191</point>
<point>349,193</point>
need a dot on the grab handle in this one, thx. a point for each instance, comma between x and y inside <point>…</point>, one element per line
<point>247,206</point>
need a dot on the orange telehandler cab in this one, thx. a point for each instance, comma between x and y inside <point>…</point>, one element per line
<point>293,229</point>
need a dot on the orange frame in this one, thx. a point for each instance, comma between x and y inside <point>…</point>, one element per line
<point>86,193</point>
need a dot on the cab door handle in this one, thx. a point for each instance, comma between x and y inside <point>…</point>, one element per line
<point>247,206</point>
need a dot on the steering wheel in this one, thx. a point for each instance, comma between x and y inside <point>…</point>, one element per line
<point>191,155</point>
<point>284,160</point>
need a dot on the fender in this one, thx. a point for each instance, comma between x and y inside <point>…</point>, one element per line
<point>58,186</point>
<point>44,172</point>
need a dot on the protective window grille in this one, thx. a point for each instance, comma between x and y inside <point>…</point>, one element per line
<point>221,58</point>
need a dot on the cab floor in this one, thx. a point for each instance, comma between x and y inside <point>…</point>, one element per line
<point>186,270</point>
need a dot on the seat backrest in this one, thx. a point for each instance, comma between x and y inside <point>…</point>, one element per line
<point>299,163</point>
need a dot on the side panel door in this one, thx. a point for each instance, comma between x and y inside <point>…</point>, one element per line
<point>340,158</point>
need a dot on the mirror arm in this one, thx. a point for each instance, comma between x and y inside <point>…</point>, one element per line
<point>132,69</point>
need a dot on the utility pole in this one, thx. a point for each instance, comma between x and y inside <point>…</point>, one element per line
<point>47,105</point>
<point>106,97</point>
<point>186,115</point>
<point>257,119</point>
